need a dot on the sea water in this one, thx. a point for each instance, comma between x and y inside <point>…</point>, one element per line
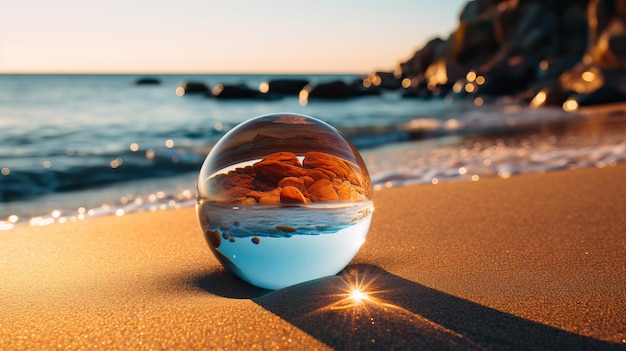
<point>274,246</point>
<point>77,146</point>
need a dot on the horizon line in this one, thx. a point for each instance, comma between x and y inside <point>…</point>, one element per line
<point>168,72</point>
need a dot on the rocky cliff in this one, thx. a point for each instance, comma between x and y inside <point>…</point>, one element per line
<point>544,52</point>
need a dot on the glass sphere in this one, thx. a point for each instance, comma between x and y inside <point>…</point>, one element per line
<point>283,199</point>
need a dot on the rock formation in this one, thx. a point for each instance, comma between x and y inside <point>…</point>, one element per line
<point>282,178</point>
<point>548,52</point>
<point>186,88</point>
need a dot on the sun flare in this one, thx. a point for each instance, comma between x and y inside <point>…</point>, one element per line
<point>358,296</point>
<point>358,292</point>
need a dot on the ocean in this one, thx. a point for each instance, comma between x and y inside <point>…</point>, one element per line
<point>75,146</point>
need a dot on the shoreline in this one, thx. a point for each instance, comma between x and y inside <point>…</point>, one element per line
<point>592,139</point>
<point>526,262</point>
<point>394,162</point>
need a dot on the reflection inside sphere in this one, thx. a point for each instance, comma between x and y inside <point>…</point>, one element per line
<point>283,199</point>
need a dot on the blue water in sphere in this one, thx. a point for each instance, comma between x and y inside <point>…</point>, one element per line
<point>283,199</point>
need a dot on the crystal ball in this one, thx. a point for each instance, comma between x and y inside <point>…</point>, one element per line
<point>283,199</point>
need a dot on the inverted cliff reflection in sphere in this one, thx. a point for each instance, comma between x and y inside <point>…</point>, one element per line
<point>283,199</point>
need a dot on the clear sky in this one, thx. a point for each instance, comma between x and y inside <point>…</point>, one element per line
<point>227,36</point>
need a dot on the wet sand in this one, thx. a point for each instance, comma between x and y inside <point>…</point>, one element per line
<point>531,262</point>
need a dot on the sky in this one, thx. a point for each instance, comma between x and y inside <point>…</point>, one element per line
<point>234,36</point>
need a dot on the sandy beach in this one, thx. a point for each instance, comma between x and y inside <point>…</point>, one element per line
<point>531,262</point>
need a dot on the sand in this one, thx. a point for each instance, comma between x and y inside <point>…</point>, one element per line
<point>532,262</point>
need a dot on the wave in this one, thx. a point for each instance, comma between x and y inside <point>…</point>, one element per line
<point>470,145</point>
<point>87,171</point>
<point>76,171</point>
